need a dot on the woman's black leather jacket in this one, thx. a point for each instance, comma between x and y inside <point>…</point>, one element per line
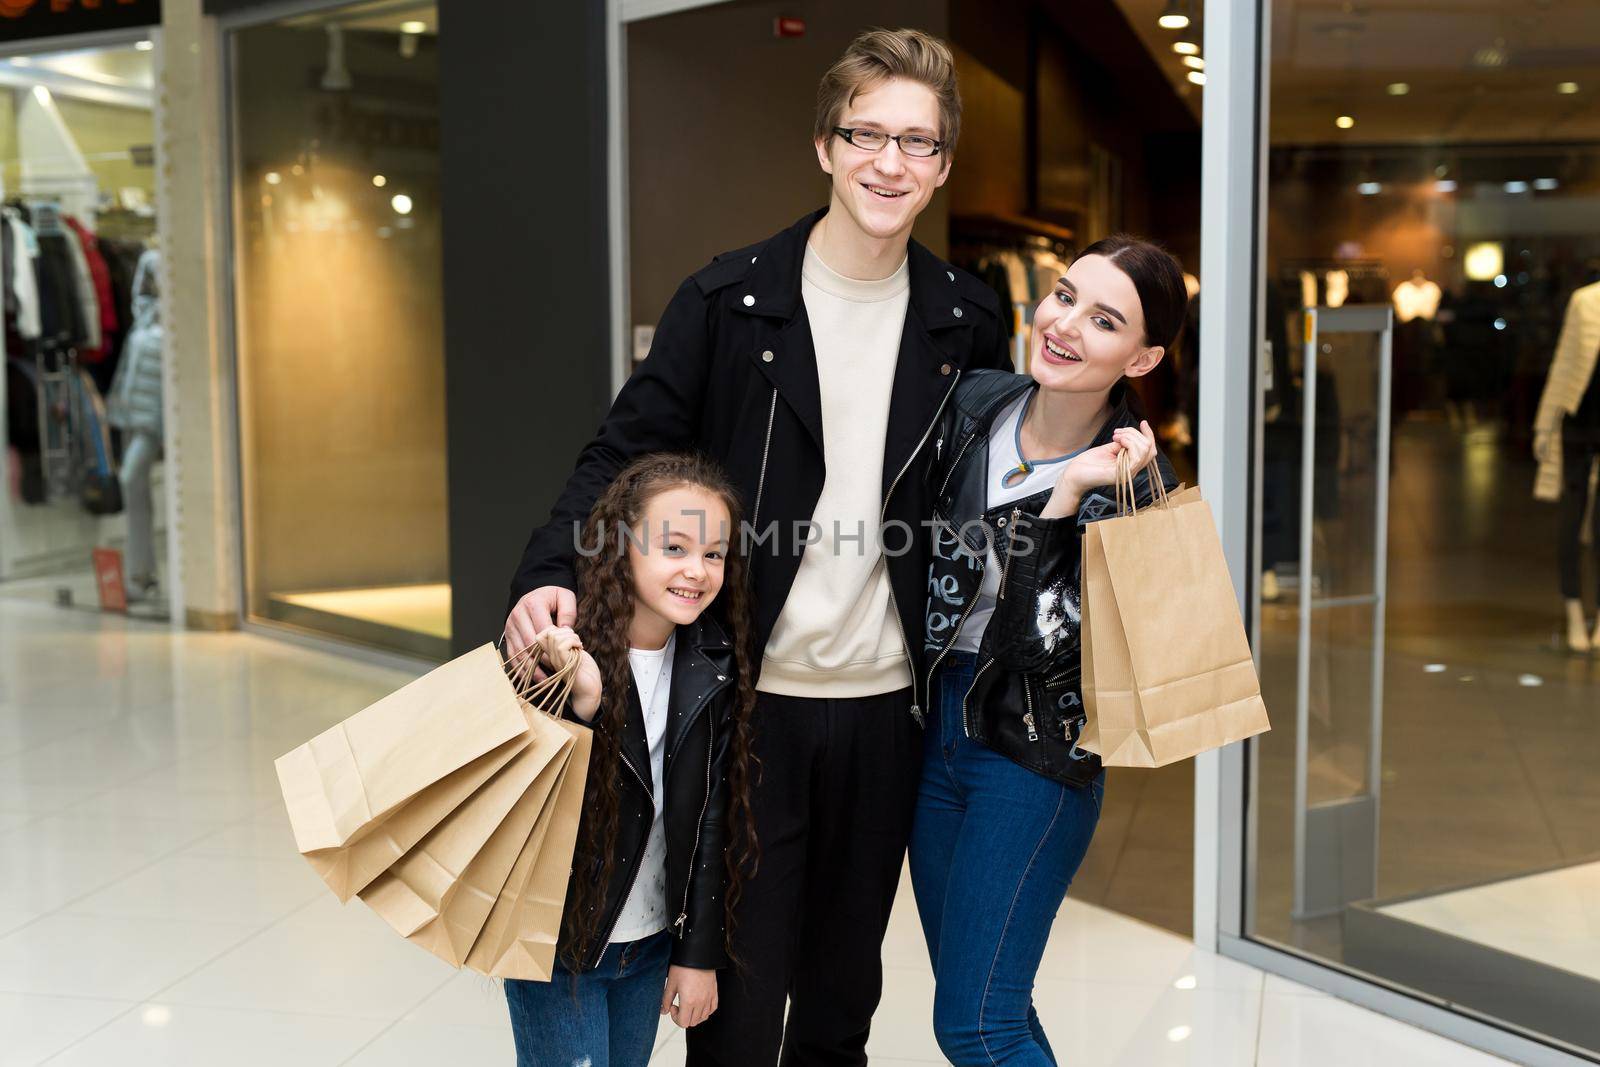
<point>1025,702</point>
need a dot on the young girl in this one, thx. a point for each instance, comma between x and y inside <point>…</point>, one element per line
<point>1008,802</point>
<point>666,685</point>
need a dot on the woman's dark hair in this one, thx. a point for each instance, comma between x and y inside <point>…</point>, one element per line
<point>606,593</point>
<point>1157,277</point>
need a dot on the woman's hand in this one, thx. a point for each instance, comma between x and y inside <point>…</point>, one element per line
<point>556,645</point>
<point>690,996</point>
<point>1098,466</point>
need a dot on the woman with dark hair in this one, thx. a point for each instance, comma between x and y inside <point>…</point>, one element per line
<point>666,832</point>
<point>1008,802</point>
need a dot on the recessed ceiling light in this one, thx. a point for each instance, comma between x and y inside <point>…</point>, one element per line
<point>1445,185</point>
<point>379,180</point>
<point>1567,88</point>
<point>1516,187</point>
<point>1490,57</point>
<point>1544,185</point>
<point>1185,48</point>
<point>1398,88</point>
<point>1369,188</point>
<point>1194,62</point>
<point>414,26</point>
<point>1174,17</point>
<point>1344,122</point>
<point>401,204</point>
<point>273,177</point>
<point>144,46</point>
<point>1197,77</point>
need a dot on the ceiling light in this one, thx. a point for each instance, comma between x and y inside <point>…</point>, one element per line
<point>1398,88</point>
<point>1194,62</point>
<point>1369,188</point>
<point>1179,1033</point>
<point>273,177</point>
<point>379,180</point>
<point>414,26</point>
<point>1544,185</point>
<point>401,204</point>
<point>1484,260</point>
<point>1197,77</point>
<point>1174,17</point>
<point>1490,57</point>
<point>1344,122</point>
<point>144,46</point>
<point>1516,187</point>
<point>1445,185</point>
<point>1567,88</point>
<point>1500,281</point>
<point>1185,48</point>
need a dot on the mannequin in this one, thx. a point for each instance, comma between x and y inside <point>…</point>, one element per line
<point>135,407</point>
<point>1416,303</point>
<point>1416,298</point>
<point>1567,443</point>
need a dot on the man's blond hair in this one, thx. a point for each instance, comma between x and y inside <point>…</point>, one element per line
<point>875,57</point>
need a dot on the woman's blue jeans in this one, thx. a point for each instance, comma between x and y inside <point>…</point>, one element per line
<point>993,849</point>
<point>608,1021</point>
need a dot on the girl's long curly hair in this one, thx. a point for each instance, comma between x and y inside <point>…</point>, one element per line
<point>606,604</point>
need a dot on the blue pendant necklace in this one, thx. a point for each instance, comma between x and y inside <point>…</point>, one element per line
<point>1018,474</point>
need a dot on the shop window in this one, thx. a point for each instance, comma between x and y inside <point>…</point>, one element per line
<point>339,320</point>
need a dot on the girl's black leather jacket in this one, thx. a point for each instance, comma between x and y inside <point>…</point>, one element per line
<point>1025,701</point>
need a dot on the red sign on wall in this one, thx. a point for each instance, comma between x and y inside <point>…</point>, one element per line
<point>788,27</point>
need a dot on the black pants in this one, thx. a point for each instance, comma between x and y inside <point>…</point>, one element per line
<point>1577,456</point>
<point>833,808</point>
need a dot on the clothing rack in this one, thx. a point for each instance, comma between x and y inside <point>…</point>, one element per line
<point>1019,258</point>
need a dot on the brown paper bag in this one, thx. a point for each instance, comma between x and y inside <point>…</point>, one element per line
<point>351,869</point>
<point>519,940</point>
<point>440,893</point>
<point>341,782</point>
<point>1167,671</point>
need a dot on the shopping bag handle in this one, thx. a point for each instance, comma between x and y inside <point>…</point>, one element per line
<point>550,693</point>
<point>1127,498</point>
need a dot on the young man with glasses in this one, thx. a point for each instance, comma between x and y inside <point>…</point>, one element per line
<point>814,365</point>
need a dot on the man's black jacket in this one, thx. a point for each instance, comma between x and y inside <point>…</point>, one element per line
<point>733,373</point>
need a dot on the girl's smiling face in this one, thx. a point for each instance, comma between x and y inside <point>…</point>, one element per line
<point>1090,330</point>
<point>678,572</point>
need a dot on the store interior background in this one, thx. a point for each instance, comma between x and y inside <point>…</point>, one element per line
<point>1450,151</point>
<point>77,132</point>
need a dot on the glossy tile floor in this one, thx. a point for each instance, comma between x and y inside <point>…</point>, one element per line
<point>153,909</point>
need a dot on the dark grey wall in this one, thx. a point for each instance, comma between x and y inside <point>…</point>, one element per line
<point>525,278</point>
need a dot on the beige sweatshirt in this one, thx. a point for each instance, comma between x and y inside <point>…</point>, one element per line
<point>837,635</point>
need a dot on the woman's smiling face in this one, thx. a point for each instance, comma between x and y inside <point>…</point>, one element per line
<point>1090,331</point>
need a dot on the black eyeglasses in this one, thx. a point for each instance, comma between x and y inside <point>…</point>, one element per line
<point>912,144</point>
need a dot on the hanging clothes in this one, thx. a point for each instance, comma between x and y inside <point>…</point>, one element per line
<point>21,280</point>
<point>90,339</point>
<point>104,312</point>
<point>65,289</point>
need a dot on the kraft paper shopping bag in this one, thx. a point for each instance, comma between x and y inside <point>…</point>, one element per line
<point>339,784</point>
<point>440,893</point>
<point>1166,665</point>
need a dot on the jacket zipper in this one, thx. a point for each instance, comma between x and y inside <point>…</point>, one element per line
<point>766,449</point>
<point>1011,536</point>
<point>955,463</point>
<point>883,515</point>
<point>634,876</point>
<point>694,853</point>
<point>966,721</point>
